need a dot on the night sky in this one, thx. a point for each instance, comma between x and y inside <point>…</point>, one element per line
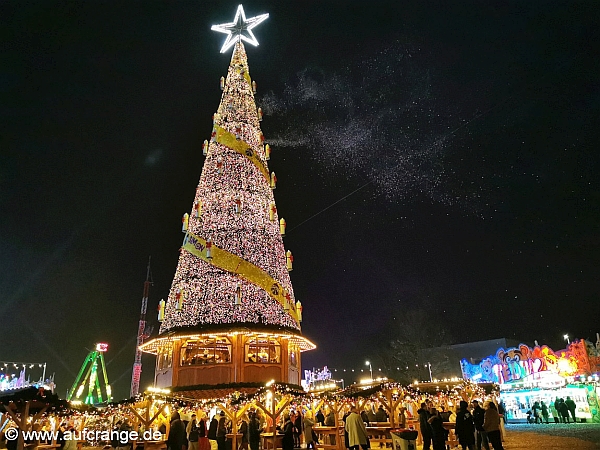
<point>429,155</point>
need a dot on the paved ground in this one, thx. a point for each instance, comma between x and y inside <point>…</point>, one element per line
<point>580,436</point>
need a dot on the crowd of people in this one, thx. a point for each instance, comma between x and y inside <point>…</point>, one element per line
<point>563,411</point>
<point>476,427</point>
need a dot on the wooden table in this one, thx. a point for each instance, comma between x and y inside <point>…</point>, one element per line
<point>329,437</point>
<point>380,435</point>
<point>267,441</point>
<point>452,440</point>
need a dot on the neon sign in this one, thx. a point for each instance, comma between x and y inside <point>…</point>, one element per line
<point>521,362</point>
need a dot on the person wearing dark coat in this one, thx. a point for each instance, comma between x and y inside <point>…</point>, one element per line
<point>177,439</point>
<point>424,416</point>
<point>221,431</point>
<point>320,418</point>
<point>380,415</point>
<point>478,419</point>
<point>465,427</point>
<point>287,442</point>
<point>212,429</point>
<point>254,432</point>
<point>564,411</point>
<point>365,417</point>
<point>438,432</point>
<point>544,409</point>
<point>571,406</point>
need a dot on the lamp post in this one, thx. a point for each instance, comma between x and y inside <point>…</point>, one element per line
<point>429,366</point>
<point>368,363</point>
<point>566,336</point>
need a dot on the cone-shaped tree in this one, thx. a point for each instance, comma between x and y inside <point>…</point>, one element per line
<point>241,278</point>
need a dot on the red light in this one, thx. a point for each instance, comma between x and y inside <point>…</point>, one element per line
<point>101,347</point>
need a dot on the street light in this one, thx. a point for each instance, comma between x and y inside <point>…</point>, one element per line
<point>430,377</point>
<point>566,336</point>
<point>368,363</point>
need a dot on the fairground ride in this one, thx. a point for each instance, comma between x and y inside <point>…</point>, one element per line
<point>90,387</point>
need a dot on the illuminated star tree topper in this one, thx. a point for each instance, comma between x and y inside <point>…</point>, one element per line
<point>240,29</point>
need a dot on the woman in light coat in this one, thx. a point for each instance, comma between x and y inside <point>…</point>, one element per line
<point>308,423</point>
<point>357,432</point>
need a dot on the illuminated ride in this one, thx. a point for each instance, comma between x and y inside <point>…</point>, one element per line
<point>90,386</point>
<point>231,315</point>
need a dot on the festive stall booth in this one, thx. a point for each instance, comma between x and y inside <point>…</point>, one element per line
<point>530,375</point>
<point>231,315</point>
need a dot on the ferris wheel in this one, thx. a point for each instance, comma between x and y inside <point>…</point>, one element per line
<point>90,386</point>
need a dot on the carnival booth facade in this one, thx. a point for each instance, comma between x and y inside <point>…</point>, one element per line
<point>530,375</point>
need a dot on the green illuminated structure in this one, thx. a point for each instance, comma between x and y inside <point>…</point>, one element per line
<point>88,376</point>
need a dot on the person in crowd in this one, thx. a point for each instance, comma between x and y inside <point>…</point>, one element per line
<point>192,433</point>
<point>71,443</point>
<point>60,436</point>
<point>502,412</point>
<point>380,415</point>
<point>365,417</point>
<point>297,421</point>
<point>203,442</point>
<point>402,417</point>
<point>491,425</point>
<point>564,411</point>
<point>320,418</point>
<point>438,432</point>
<point>114,435</point>
<point>330,422</point>
<point>176,439</point>
<point>445,416</point>
<point>465,427</point>
<point>424,416</point>
<point>243,430</point>
<point>571,407</point>
<point>357,432</point>
<point>221,431</point>
<point>124,431</point>
<point>544,409</point>
<point>346,441</point>
<point>212,433</point>
<point>554,412</point>
<point>307,424</point>
<point>254,430</point>
<point>536,409</point>
<point>478,419</point>
<point>287,442</point>
<point>370,414</point>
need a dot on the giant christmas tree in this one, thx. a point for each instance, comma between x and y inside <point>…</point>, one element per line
<point>231,315</point>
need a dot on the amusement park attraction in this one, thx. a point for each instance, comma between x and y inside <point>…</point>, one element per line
<point>231,315</point>
<point>90,386</point>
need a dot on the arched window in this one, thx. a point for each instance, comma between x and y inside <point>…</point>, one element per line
<point>164,356</point>
<point>263,350</point>
<point>205,351</point>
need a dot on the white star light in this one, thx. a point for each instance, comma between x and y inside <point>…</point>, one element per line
<point>235,30</point>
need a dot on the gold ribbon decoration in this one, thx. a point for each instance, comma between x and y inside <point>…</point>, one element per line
<point>240,267</point>
<point>229,140</point>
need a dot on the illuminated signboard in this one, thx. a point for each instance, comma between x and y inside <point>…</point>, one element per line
<point>518,363</point>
